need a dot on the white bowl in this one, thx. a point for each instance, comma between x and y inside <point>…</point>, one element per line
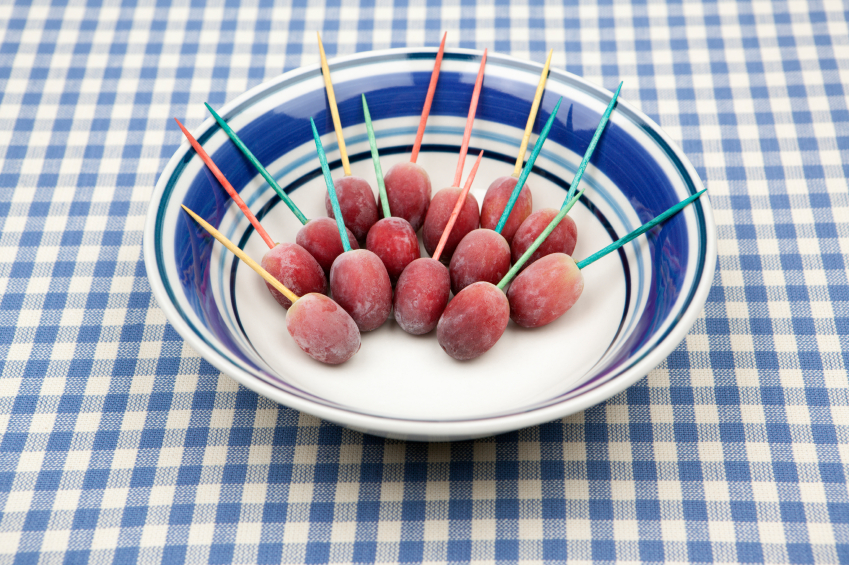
<point>637,305</point>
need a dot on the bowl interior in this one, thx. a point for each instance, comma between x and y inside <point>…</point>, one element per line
<point>628,318</point>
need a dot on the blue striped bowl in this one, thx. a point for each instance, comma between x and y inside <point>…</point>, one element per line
<point>637,306</point>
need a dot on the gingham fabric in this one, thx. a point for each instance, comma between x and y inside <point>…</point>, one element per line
<point>120,444</point>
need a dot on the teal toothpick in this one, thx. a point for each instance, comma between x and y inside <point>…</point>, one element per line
<point>378,170</point>
<point>334,202</point>
<point>255,162</point>
<point>579,174</point>
<point>527,170</point>
<point>639,231</point>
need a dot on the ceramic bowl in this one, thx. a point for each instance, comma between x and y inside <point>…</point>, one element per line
<point>637,306</point>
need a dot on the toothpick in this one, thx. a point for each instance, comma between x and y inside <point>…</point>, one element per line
<point>255,162</point>
<point>527,170</point>
<point>334,110</point>
<point>375,157</point>
<point>532,116</point>
<point>579,174</point>
<point>428,100</point>
<point>227,186</point>
<point>467,134</point>
<point>331,190</point>
<point>243,256</point>
<point>461,200</point>
<point>639,231</point>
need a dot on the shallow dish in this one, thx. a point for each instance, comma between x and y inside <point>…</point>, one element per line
<point>637,306</point>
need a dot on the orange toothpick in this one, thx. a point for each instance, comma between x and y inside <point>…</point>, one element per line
<point>227,186</point>
<point>461,200</point>
<point>469,121</point>
<point>429,99</point>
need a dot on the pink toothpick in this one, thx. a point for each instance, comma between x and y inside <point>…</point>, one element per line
<point>428,100</point>
<point>461,200</point>
<point>469,121</point>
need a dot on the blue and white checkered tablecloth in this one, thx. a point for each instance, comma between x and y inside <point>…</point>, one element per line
<point>120,444</point>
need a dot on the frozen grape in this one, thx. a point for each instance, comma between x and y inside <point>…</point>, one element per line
<point>483,255</point>
<point>437,218</point>
<point>421,295</point>
<point>395,242</point>
<point>561,240</point>
<point>495,201</point>
<point>408,191</point>
<point>360,284</point>
<point>320,236</point>
<point>356,200</point>
<point>323,329</point>
<point>545,291</point>
<point>296,269</point>
<point>473,321</point>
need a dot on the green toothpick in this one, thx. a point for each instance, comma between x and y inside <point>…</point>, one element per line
<point>527,170</point>
<point>639,231</point>
<point>579,174</point>
<point>378,170</point>
<point>322,158</point>
<point>250,156</point>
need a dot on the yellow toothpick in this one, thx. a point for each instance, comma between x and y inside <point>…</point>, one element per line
<point>532,117</point>
<point>243,256</point>
<point>334,110</point>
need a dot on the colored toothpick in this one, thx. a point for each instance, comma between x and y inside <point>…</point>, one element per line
<point>470,120</point>
<point>255,162</point>
<point>334,110</point>
<point>517,170</point>
<point>639,231</point>
<point>543,135</point>
<point>243,256</point>
<point>579,174</point>
<point>461,200</point>
<point>378,170</point>
<point>428,100</point>
<point>227,186</point>
<point>331,190</point>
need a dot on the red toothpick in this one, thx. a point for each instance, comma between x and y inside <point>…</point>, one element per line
<point>227,186</point>
<point>461,200</point>
<point>430,90</point>
<point>469,121</point>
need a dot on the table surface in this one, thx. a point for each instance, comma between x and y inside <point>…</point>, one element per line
<point>119,443</point>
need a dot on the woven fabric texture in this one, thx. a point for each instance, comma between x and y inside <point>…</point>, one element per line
<point>118,443</point>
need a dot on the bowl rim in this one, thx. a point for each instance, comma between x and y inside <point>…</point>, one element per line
<point>421,429</point>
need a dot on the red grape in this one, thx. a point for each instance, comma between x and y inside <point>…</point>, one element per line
<point>437,218</point>
<point>296,269</point>
<point>360,284</point>
<point>545,291</point>
<point>408,192</point>
<point>495,201</point>
<point>320,236</point>
<point>561,240</point>
<point>473,321</point>
<point>356,200</point>
<point>421,295</point>
<point>323,329</point>
<point>483,255</point>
